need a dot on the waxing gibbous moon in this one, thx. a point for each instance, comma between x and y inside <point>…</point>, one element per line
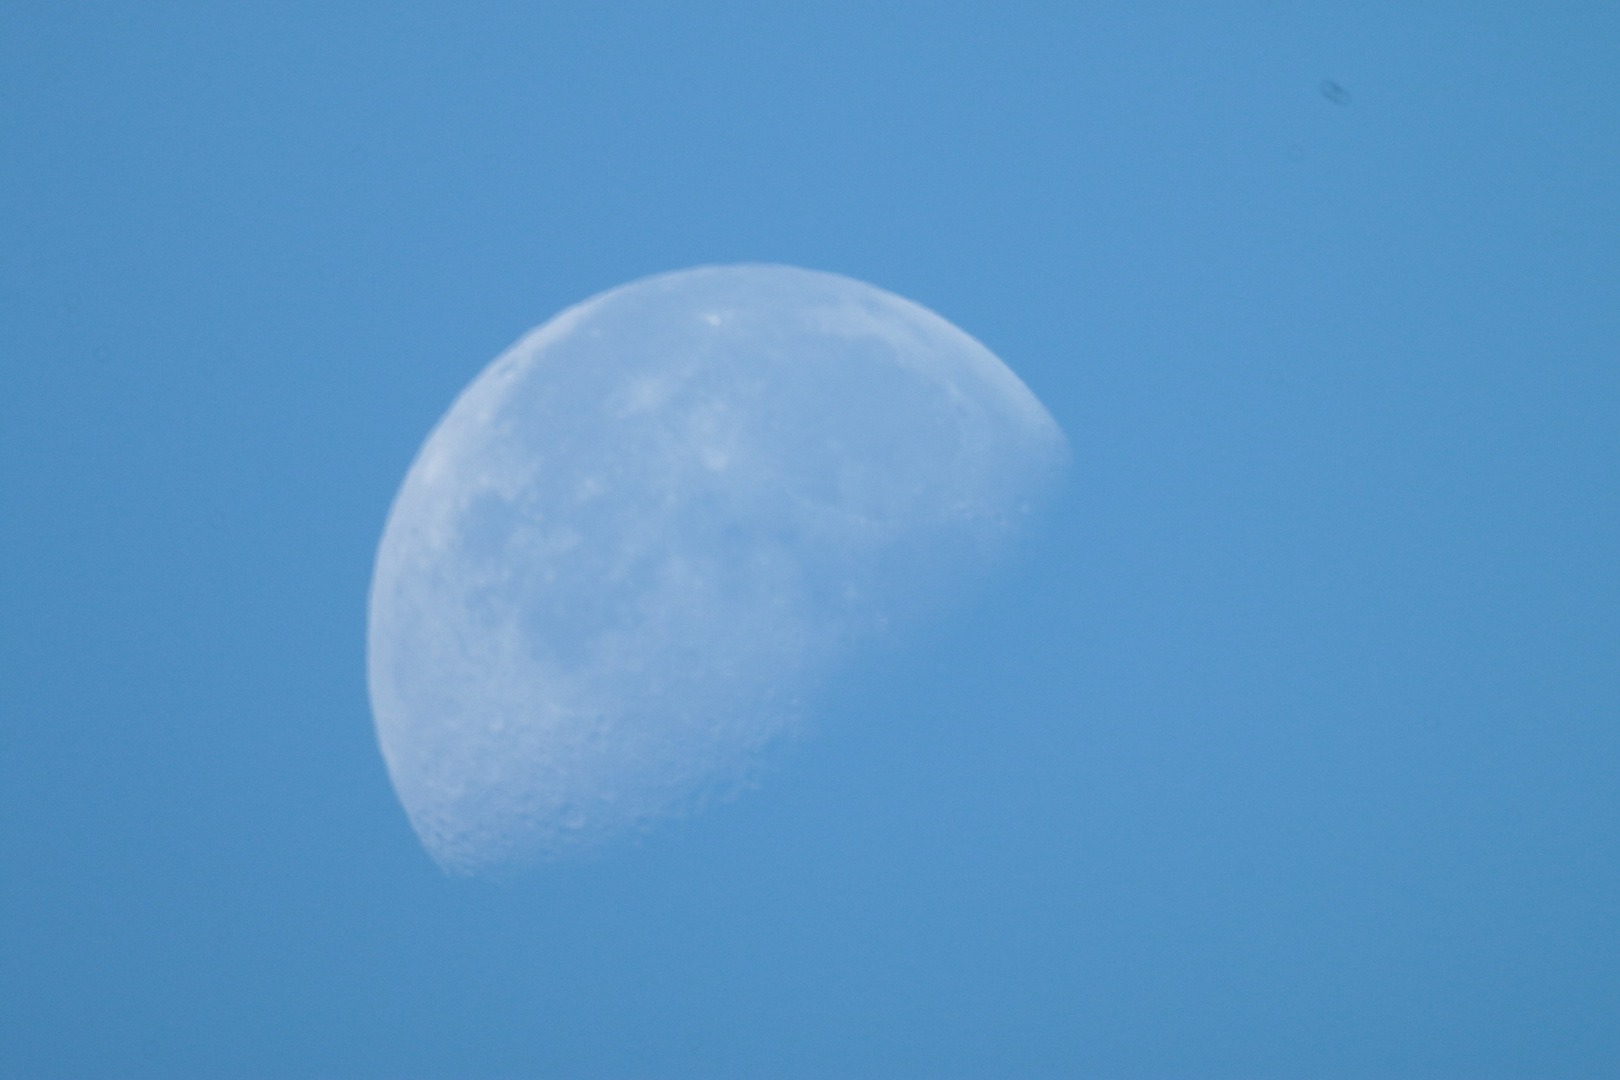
<point>639,540</point>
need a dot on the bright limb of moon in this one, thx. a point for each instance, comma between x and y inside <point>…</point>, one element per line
<point>629,550</point>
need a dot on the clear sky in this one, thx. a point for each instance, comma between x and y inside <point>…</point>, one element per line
<point>1291,749</point>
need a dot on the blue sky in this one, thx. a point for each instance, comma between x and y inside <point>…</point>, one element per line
<point>1290,748</point>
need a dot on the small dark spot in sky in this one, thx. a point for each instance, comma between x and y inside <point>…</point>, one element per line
<point>1335,93</point>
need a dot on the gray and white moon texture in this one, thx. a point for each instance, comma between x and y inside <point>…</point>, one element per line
<point>641,539</point>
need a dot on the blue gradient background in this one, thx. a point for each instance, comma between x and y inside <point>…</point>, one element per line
<point>1290,750</point>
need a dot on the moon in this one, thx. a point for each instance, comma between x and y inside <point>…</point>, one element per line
<point>642,537</point>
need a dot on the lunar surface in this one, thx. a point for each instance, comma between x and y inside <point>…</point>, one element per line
<point>642,537</point>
